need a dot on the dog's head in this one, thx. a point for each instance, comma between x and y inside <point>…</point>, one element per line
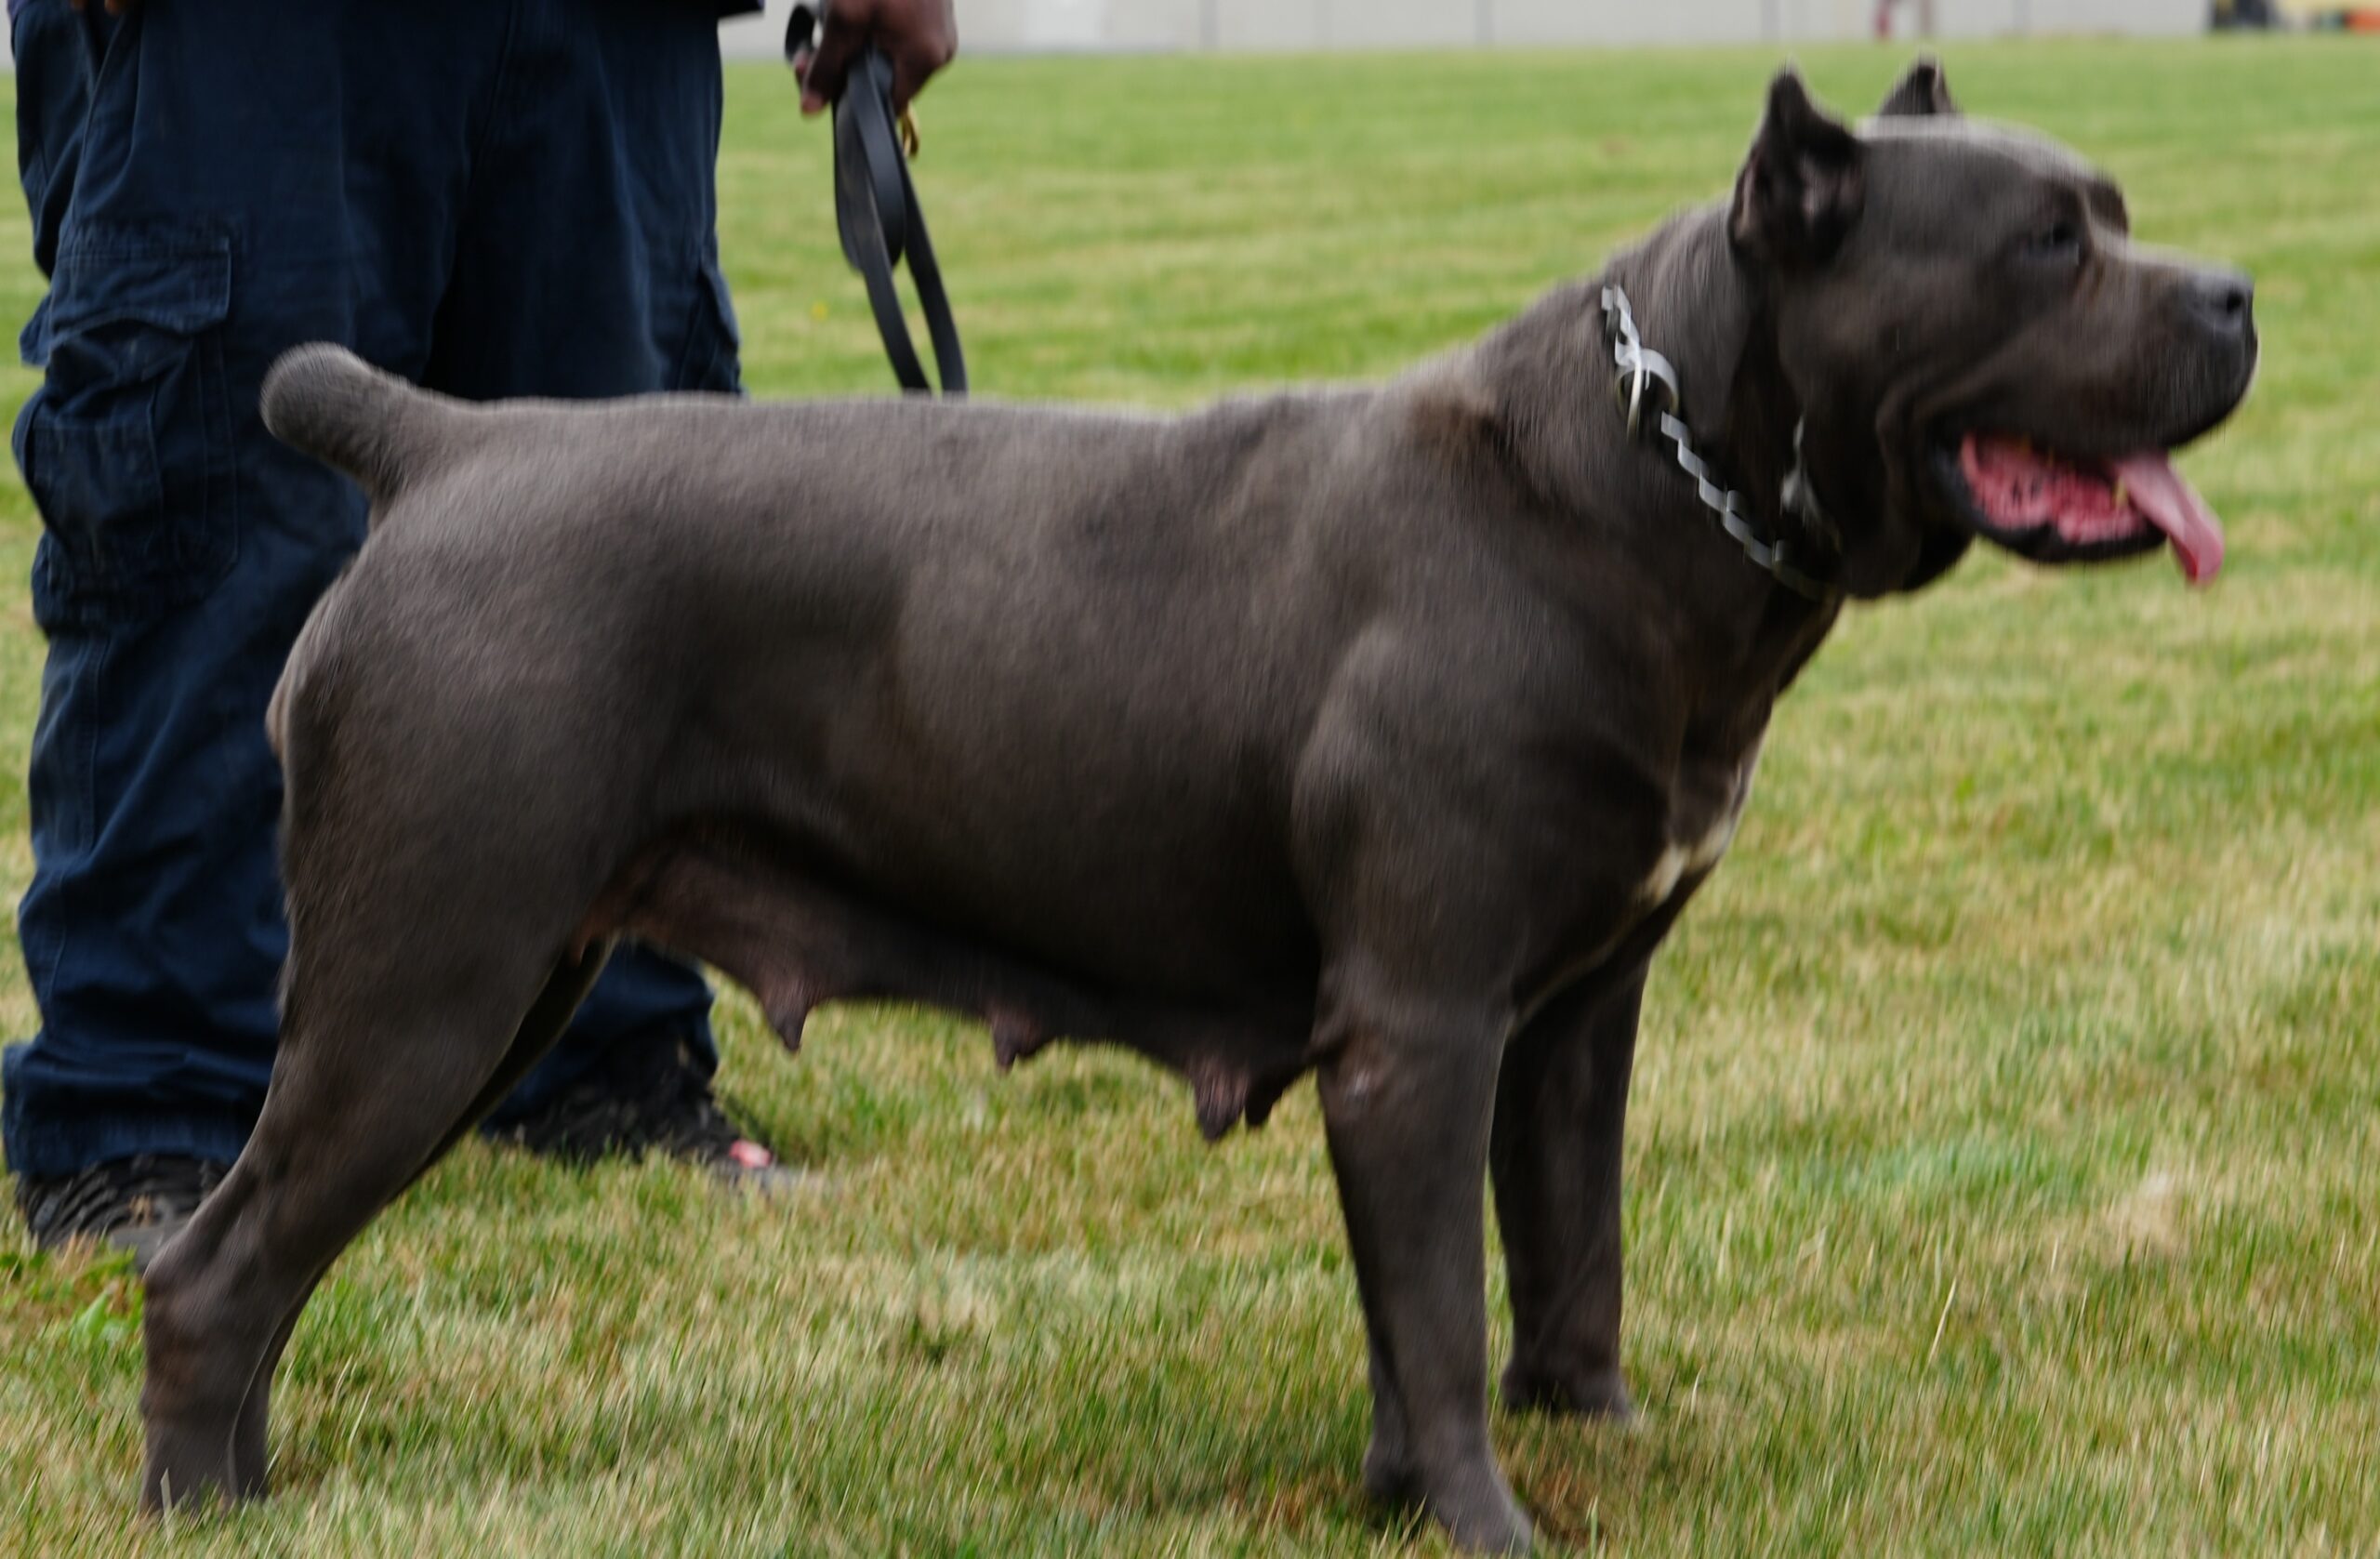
<point>1975,342</point>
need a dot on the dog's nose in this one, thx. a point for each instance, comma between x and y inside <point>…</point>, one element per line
<point>2225,301</point>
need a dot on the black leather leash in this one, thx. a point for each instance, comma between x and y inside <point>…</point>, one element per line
<point>878,215</point>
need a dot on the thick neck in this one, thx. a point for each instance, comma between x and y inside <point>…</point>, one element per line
<point>1713,313</point>
<point>1551,372</point>
<point>1699,303</point>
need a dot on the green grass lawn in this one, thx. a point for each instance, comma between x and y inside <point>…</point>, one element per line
<point>2005,1163</point>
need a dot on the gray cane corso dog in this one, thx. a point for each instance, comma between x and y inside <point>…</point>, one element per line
<point>1380,733</point>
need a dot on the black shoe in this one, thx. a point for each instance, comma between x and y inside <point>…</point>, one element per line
<point>135,1204</point>
<point>645,1098</point>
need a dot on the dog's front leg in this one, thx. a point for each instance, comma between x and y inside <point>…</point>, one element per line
<point>1561,1106</point>
<point>1407,1102</point>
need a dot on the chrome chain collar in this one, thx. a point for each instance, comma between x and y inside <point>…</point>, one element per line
<point>1646,386</point>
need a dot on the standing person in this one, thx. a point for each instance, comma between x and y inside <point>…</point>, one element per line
<point>490,197</point>
<point>1884,9</point>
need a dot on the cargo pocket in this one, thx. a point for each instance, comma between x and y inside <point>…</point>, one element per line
<point>126,446</point>
<point>710,359</point>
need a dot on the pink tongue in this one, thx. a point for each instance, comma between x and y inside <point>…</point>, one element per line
<point>2174,507</point>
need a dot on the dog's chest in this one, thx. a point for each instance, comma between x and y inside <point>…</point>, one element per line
<point>1706,800</point>
<point>1707,803</point>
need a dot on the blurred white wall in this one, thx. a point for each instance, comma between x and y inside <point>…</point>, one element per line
<point>1047,26</point>
<point>1041,26</point>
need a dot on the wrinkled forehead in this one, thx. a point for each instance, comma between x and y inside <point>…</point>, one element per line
<point>1971,172</point>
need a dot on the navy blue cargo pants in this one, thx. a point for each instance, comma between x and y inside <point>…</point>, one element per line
<point>493,197</point>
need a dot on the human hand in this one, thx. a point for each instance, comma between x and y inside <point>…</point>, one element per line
<point>918,37</point>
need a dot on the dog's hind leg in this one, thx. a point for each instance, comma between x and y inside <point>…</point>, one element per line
<point>565,988</point>
<point>1407,1099</point>
<point>409,976</point>
<point>1561,1107</point>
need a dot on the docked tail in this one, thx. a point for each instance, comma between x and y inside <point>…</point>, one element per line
<point>372,424</point>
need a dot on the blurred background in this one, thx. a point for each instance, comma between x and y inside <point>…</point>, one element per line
<point>1153,26</point>
<point>1033,26</point>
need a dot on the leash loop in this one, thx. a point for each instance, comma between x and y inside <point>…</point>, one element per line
<point>878,216</point>
<point>1640,367</point>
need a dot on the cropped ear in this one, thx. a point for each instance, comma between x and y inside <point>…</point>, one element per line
<point>1800,188</point>
<point>1922,94</point>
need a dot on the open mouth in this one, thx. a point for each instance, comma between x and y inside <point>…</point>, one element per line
<point>2055,508</point>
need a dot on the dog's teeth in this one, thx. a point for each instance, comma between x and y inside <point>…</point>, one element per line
<point>2119,494</point>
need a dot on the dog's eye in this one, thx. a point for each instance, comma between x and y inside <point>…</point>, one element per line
<point>2060,242</point>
